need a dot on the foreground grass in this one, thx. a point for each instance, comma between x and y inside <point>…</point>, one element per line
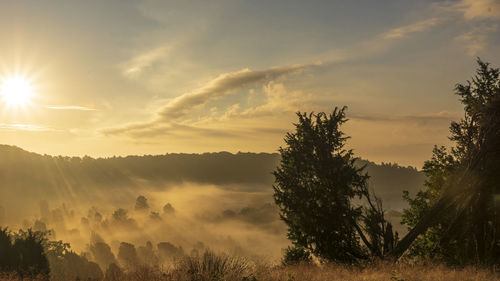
<point>380,272</point>
<point>212,267</point>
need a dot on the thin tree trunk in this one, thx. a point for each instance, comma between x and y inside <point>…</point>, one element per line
<point>459,196</point>
<point>431,218</point>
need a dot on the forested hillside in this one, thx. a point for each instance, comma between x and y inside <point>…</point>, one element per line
<point>43,175</point>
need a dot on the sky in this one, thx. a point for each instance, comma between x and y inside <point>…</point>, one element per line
<point>121,77</point>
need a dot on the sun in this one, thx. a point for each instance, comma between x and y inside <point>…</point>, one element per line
<point>16,91</point>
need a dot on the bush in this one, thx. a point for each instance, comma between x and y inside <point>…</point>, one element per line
<point>295,255</point>
<point>28,254</point>
<point>211,266</point>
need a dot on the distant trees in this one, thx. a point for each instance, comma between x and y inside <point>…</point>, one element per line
<point>68,265</point>
<point>315,185</point>
<point>102,254</point>
<point>114,272</point>
<point>457,217</point>
<point>127,255</point>
<point>168,209</point>
<point>168,251</point>
<point>141,203</point>
<point>146,254</point>
<point>121,218</point>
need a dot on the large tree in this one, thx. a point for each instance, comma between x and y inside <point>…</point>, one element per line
<point>457,217</point>
<point>315,185</point>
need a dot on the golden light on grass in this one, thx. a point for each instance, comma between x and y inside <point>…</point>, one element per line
<point>16,91</point>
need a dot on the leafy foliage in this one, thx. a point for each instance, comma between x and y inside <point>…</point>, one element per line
<point>465,178</point>
<point>67,265</point>
<point>296,255</point>
<point>31,258</point>
<point>6,251</point>
<point>437,170</point>
<point>314,186</point>
<point>23,252</point>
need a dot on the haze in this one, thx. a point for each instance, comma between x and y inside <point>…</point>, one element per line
<point>150,77</point>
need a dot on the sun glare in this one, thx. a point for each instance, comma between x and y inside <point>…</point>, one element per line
<point>16,91</point>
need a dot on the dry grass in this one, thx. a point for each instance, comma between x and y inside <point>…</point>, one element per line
<point>15,277</point>
<point>379,272</point>
<point>212,267</point>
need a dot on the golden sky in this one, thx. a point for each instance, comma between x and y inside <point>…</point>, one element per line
<point>121,77</point>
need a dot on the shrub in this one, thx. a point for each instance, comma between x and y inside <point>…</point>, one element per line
<point>211,266</point>
<point>296,255</point>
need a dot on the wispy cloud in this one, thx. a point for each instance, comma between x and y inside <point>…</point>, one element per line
<point>139,63</point>
<point>277,100</point>
<point>476,39</point>
<point>224,84</point>
<point>156,129</point>
<point>71,107</point>
<point>25,127</point>
<point>406,30</point>
<point>422,119</point>
<point>169,115</point>
<point>473,9</point>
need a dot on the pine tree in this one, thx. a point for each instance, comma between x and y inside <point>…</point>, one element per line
<point>315,185</point>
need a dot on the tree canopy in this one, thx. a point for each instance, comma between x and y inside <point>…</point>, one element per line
<point>457,215</point>
<point>315,185</point>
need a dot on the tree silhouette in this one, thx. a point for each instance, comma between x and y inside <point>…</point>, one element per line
<point>141,203</point>
<point>296,255</point>
<point>167,251</point>
<point>7,256</point>
<point>67,265</point>
<point>127,255</point>
<point>114,272</point>
<point>146,254</point>
<point>102,254</point>
<point>29,250</point>
<point>458,212</point>
<point>168,209</point>
<point>315,184</point>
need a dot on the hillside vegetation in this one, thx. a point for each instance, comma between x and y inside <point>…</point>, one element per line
<point>40,176</point>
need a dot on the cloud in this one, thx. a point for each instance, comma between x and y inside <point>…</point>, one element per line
<point>128,128</point>
<point>156,129</point>
<point>476,40</point>
<point>474,9</point>
<point>25,127</point>
<point>224,84</point>
<point>278,100</point>
<point>71,107</point>
<point>172,117</point>
<point>172,114</point>
<point>138,64</point>
<point>232,111</point>
<point>404,31</point>
<point>423,119</point>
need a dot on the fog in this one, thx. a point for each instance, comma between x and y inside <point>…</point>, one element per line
<point>224,219</point>
<point>153,209</point>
